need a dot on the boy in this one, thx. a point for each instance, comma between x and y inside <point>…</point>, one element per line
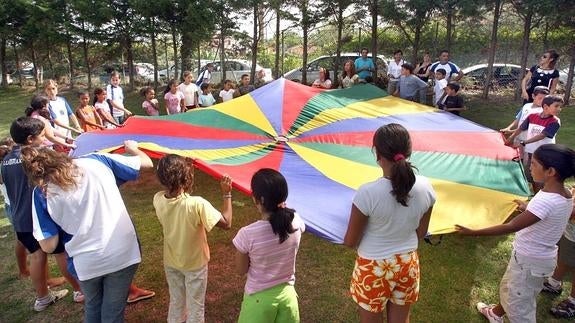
<point>439,88</point>
<point>245,86</point>
<point>27,131</point>
<point>453,102</point>
<point>115,96</point>
<point>409,85</point>
<point>87,116</point>
<point>206,99</point>
<point>541,129</point>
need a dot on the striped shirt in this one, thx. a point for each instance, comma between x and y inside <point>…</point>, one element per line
<point>539,240</point>
<point>271,263</point>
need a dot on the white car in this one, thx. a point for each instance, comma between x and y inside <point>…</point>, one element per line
<point>166,73</point>
<point>235,68</point>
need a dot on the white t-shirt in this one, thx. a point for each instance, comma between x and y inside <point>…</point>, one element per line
<point>100,236</point>
<point>227,95</point>
<point>190,91</point>
<point>438,89</point>
<point>540,239</point>
<point>61,111</point>
<point>116,94</point>
<point>394,69</point>
<point>105,108</point>
<point>523,113</point>
<point>391,226</point>
<point>271,263</point>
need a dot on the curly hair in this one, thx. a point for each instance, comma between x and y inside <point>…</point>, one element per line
<point>44,165</point>
<point>176,173</point>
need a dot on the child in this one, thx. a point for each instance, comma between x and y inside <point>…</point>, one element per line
<point>60,110</point>
<point>388,217</point>
<point>409,85</point>
<point>541,129</point>
<point>103,109</point>
<point>100,236</point>
<point>38,109</point>
<point>538,228</point>
<point>115,97</point>
<point>227,93</point>
<point>87,115</point>
<point>150,105</point>
<point>206,99</point>
<point>565,263</point>
<point>266,252</point>
<point>174,99</point>
<point>245,86</point>
<point>29,133</point>
<point>453,102</point>
<point>190,91</point>
<point>439,87</point>
<point>185,220</point>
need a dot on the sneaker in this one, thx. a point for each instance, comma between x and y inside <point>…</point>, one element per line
<point>487,311</point>
<point>78,297</point>
<point>550,289</point>
<point>51,298</point>
<point>565,309</point>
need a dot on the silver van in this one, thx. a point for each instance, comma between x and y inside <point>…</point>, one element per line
<point>328,61</point>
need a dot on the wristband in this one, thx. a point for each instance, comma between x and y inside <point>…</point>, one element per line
<point>227,196</point>
<point>522,143</point>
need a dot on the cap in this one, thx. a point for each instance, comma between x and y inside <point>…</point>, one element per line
<point>541,90</point>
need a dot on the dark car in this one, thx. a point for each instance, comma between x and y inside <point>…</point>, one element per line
<point>503,74</point>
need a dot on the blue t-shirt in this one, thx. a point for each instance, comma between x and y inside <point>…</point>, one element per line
<point>18,189</point>
<point>364,63</point>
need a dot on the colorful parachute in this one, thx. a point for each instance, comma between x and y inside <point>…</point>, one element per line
<point>321,142</point>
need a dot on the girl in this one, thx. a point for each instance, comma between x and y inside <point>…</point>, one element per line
<point>190,91</point>
<point>150,105</point>
<point>348,78</point>
<point>266,251</point>
<point>388,216</point>
<point>323,82</point>
<point>174,98</point>
<point>206,98</point>
<point>60,110</point>
<point>99,236</point>
<point>185,220</point>
<point>538,228</point>
<point>103,109</point>
<point>87,115</point>
<point>543,74</point>
<point>39,109</point>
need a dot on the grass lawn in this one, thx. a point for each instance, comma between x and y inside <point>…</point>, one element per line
<point>455,274</point>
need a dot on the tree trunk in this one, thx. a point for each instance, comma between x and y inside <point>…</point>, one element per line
<point>277,53</point>
<point>305,31</point>
<point>492,48</point>
<point>186,50</point>
<point>175,46</point>
<point>3,62</point>
<point>255,43</point>
<point>416,40</point>
<point>339,20</point>
<point>524,50</point>
<point>222,55</point>
<point>449,27</point>
<point>570,74</point>
<point>154,50</point>
<point>18,67</point>
<point>374,11</point>
<point>35,62</point>
<point>70,58</point>
<point>130,58</point>
<point>86,58</point>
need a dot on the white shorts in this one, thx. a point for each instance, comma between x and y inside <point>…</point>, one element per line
<point>520,285</point>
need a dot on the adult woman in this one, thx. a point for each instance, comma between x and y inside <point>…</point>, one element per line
<point>323,82</point>
<point>388,216</point>
<point>348,78</point>
<point>422,69</point>
<point>542,74</point>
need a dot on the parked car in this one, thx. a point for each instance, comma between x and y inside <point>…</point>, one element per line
<point>503,74</point>
<point>142,71</point>
<point>563,76</point>
<point>168,73</point>
<point>235,68</point>
<point>328,61</point>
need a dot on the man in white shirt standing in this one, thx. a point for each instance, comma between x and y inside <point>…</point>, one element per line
<point>394,71</point>
<point>449,67</point>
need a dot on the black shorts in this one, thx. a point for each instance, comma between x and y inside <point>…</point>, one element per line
<point>32,245</point>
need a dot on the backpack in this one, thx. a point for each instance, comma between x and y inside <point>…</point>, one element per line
<point>200,79</point>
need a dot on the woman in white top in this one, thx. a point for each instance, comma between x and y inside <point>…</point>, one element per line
<point>388,217</point>
<point>323,82</point>
<point>538,228</point>
<point>348,78</point>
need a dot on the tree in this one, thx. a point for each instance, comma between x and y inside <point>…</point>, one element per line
<point>336,9</point>
<point>492,47</point>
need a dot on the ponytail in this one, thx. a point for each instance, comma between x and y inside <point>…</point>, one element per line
<point>280,220</point>
<point>402,180</point>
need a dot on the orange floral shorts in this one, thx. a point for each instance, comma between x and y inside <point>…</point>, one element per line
<point>396,279</point>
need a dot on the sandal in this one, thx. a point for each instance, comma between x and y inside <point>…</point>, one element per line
<point>146,295</point>
<point>565,309</point>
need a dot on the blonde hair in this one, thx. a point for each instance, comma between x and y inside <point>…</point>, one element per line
<point>44,165</point>
<point>49,82</point>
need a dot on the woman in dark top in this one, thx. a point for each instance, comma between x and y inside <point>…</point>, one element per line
<point>422,69</point>
<point>542,74</point>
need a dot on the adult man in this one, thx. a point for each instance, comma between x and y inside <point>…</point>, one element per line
<point>363,65</point>
<point>449,67</point>
<point>394,71</point>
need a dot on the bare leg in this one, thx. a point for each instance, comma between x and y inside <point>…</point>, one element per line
<point>397,313</point>
<point>21,260</point>
<point>63,265</point>
<point>38,272</point>
<point>369,317</point>
<point>137,294</point>
<point>560,271</point>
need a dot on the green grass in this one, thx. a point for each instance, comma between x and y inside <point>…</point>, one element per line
<point>455,274</point>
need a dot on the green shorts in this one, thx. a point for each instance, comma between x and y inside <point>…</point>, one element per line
<point>275,304</point>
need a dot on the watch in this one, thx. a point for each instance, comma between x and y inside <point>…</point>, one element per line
<point>522,142</point>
